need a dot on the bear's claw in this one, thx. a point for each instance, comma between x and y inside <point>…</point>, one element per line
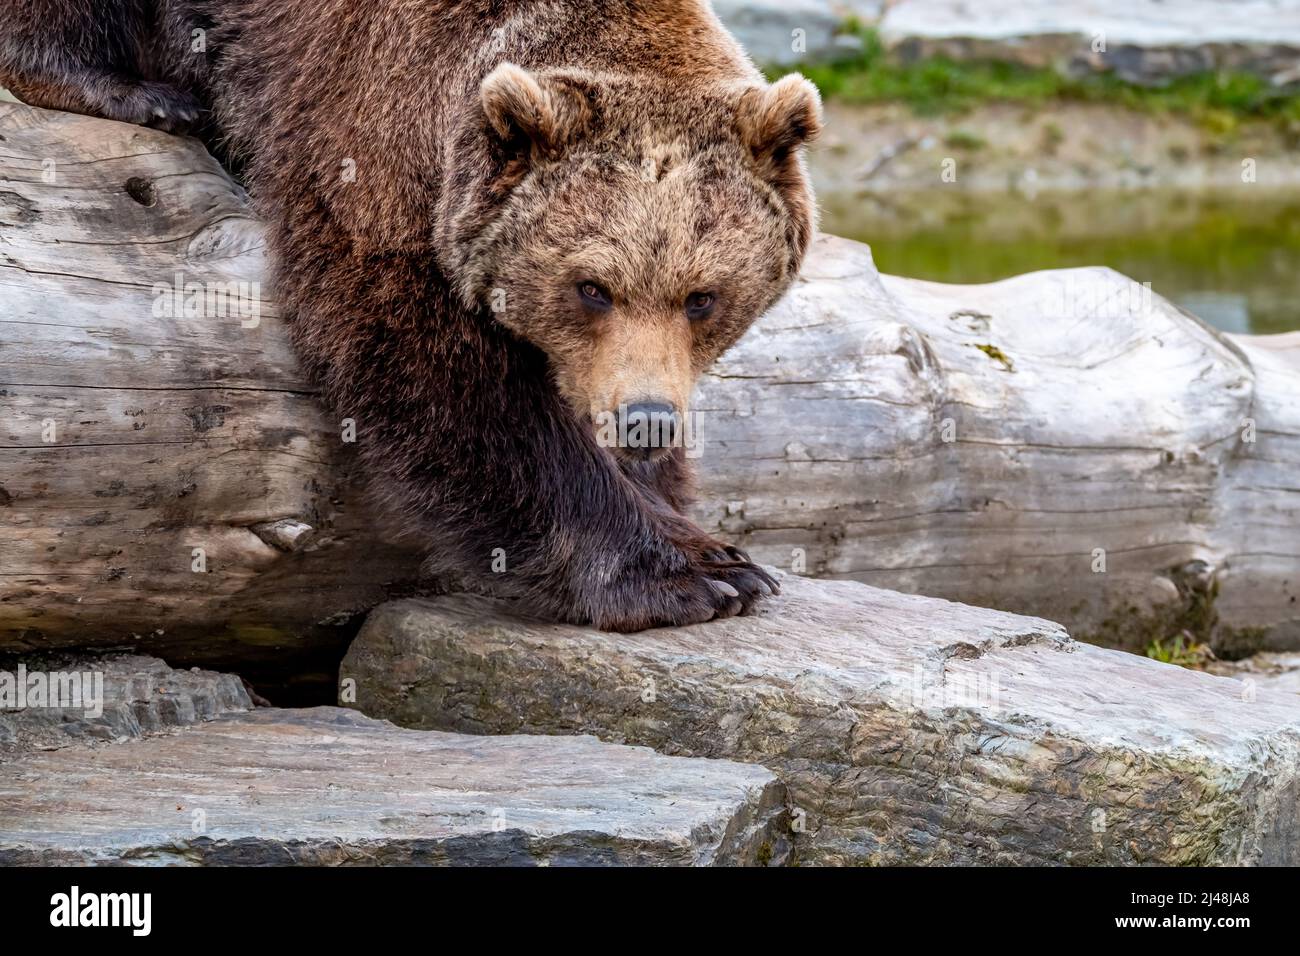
<point>149,103</point>
<point>716,584</point>
<point>742,581</point>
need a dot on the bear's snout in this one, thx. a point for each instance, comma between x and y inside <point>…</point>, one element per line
<point>648,429</point>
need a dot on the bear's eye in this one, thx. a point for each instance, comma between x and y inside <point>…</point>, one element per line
<point>593,296</point>
<point>700,304</point>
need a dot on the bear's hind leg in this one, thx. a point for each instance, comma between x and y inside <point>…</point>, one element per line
<point>86,58</point>
<point>142,102</point>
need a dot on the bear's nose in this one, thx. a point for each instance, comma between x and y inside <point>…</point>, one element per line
<point>648,428</point>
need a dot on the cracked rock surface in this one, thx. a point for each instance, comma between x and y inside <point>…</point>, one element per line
<point>907,729</point>
<point>328,786</point>
<point>140,695</point>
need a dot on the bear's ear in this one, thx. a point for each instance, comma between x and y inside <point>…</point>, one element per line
<point>527,113</point>
<point>773,121</point>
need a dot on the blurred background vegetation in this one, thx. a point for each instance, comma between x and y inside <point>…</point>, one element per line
<point>1190,182</point>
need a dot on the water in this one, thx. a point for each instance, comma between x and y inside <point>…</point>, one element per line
<point>1231,258</point>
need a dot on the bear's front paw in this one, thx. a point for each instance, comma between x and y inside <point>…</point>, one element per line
<point>148,103</point>
<point>720,582</point>
<point>732,573</point>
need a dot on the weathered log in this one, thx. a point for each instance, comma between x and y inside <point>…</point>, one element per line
<point>1065,444</point>
<point>1059,444</point>
<point>133,433</point>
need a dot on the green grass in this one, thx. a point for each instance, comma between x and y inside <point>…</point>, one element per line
<point>941,86</point>
<point>1180,651</point>
<point>963,139</point>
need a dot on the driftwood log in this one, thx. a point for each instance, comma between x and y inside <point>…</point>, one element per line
<point>133,432</point>
<point>1065,444</point>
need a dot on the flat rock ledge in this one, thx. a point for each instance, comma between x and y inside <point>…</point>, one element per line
<point>908,730</point>
<point>120,697</point>
<point>328,786</point>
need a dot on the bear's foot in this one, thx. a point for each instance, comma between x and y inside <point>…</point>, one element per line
<point>109,96</point>
<point>719,581</point>
<point>148,103</point>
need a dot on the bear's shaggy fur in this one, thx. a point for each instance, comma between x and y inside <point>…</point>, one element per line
<point>494,223</point>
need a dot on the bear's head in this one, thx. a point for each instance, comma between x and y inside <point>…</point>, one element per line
<point>633,230</point>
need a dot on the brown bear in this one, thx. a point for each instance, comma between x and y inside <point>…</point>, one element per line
<point>495,225</point>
